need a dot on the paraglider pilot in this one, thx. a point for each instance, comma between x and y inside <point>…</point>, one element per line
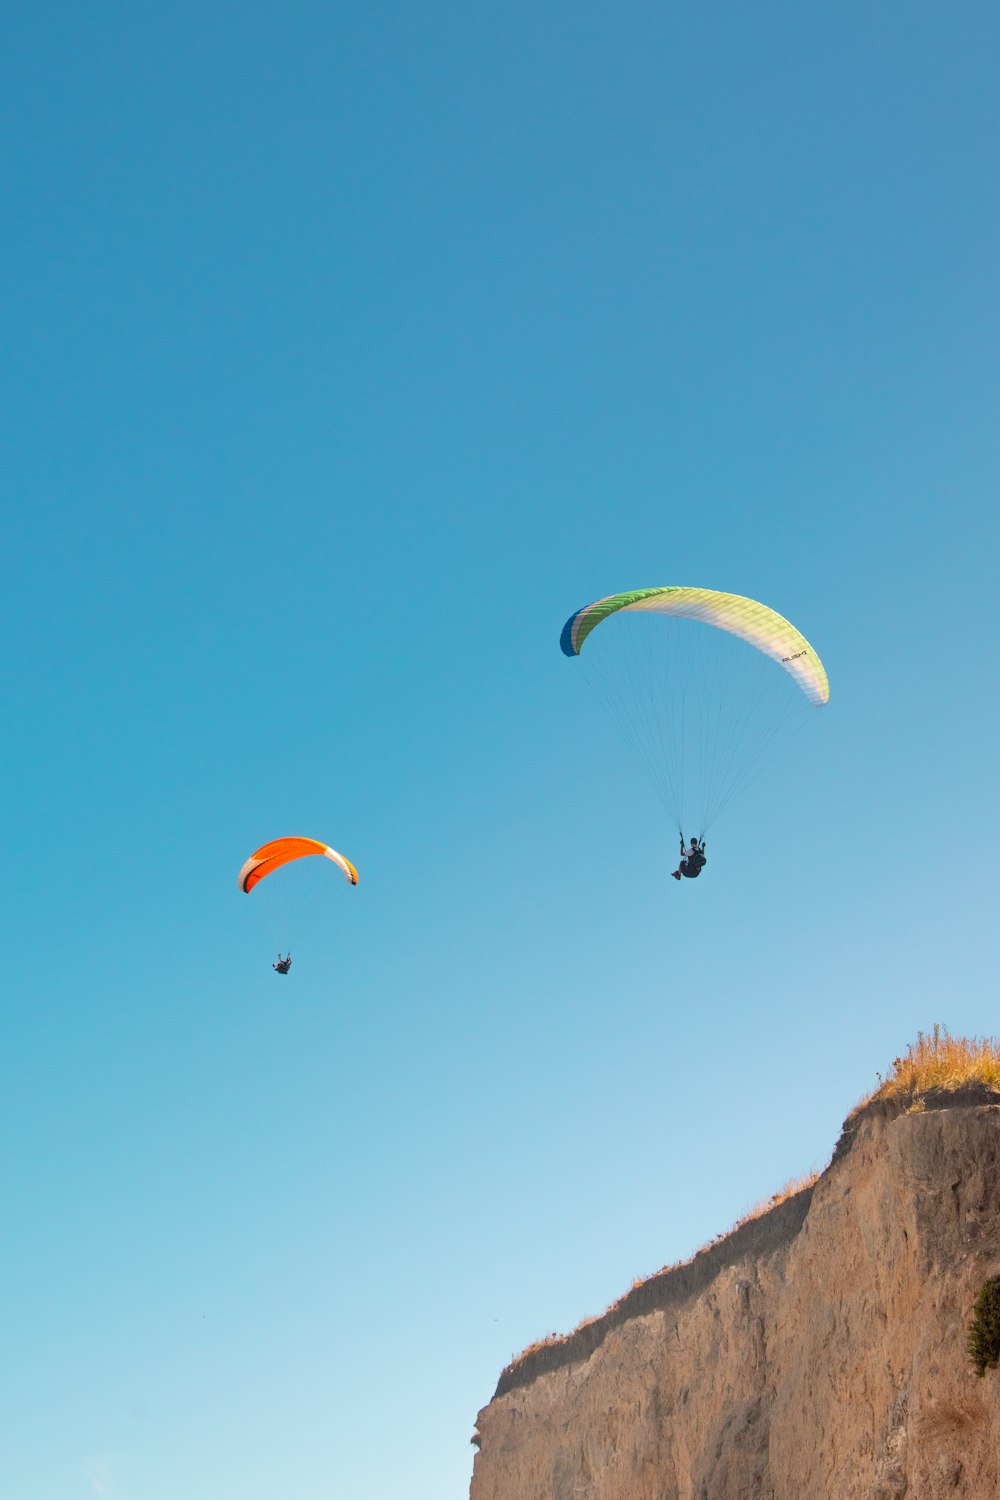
<point>283,965</point>
<point>693,860</point>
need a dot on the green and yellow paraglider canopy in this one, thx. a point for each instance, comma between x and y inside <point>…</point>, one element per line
<point>701,713</point>
<point>754,623</point>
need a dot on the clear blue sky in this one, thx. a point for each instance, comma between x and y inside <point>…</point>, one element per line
<point>346,349</point>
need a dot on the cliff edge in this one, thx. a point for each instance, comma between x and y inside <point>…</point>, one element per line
<point>816,1353</point>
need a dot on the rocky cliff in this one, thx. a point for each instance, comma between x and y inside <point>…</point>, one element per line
<point>816,1353</point>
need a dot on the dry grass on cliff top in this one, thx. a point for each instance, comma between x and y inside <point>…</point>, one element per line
<point>764,1206</point>
<point>938,1061</point>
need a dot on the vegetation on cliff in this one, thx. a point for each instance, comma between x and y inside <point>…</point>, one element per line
<point>938,1063</point>
<point>984,1328</point>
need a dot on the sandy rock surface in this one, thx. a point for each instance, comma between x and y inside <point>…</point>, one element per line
<point>817,1353</point>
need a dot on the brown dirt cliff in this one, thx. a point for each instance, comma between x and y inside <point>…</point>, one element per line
<point>816,1353</point>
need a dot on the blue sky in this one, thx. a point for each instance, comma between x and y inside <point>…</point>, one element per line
<point>346,351</point>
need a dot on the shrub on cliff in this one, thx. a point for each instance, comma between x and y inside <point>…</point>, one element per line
<point>984,1328</point>
<point>939,1060</point>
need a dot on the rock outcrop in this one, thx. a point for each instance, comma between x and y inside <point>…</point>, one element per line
<point>816,1353</point>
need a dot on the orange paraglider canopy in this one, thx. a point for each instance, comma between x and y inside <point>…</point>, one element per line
<point>280,851</point>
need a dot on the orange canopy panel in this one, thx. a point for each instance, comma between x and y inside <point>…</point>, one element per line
<point>280,851</point>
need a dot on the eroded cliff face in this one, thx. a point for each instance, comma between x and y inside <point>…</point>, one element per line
<point>818,1353</point>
